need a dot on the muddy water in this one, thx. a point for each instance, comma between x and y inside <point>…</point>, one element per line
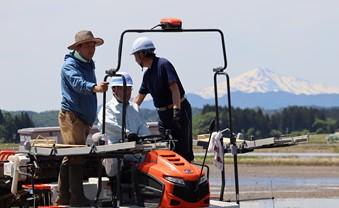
<point>290,186</point>
<point>293,203</point>
<point>278,181</point>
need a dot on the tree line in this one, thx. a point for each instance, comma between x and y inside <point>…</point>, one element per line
<point>10,122</point>
<point>257,122</point>
<point>260,124</point>
<point>9,125</point>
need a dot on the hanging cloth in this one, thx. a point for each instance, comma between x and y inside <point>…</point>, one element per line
<point>217,148</point>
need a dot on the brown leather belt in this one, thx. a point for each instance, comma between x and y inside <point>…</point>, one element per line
<point>169,106</point>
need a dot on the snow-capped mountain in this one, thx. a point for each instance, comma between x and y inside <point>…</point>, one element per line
<point>266,89</point>
<point>263,80</point>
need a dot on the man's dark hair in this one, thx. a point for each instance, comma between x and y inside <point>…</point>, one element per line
<point>148,53</point>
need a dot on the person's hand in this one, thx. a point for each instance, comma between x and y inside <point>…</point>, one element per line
<point>132,137</point>
<point>101,87</point>
<point>176,118</point>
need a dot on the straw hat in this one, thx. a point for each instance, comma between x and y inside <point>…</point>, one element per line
<point>85,36</point>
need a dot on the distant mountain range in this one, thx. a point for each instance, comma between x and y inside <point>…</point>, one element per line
<point>266,89</point>
<point>262,80</point>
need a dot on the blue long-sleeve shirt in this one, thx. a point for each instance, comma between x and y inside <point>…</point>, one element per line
<point>77,82</point>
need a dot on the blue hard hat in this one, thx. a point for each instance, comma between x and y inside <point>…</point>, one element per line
<point>118,81</point>
<point>142,44</point>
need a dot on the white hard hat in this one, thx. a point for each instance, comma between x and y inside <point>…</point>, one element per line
<point>118,81</point>
<point>141,44</point>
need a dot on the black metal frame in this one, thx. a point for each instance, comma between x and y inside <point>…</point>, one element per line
<point>123,130</point>
<point>233,139</point>
<point>114,70</point>
<point>218,70</point>
<point>115,199</point>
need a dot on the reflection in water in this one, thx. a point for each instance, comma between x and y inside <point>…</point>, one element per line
<point>278,181</point>
<point>292,203</point>
<point>264,185</point>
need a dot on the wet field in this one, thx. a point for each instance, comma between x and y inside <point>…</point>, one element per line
<point>293,203</point>
<point>280,186</point>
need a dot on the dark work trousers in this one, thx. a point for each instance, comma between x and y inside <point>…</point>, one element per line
<point>183,146</point>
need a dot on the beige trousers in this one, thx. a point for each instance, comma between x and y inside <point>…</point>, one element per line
<point>73,131</point>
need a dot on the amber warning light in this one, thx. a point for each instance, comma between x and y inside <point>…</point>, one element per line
<point>171,23</point>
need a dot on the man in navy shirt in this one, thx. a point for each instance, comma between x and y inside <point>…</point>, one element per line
<point>162,82</point>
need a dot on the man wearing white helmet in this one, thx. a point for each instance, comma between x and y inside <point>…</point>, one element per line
<point>134,122</point>
<point>113,121</point>
<point>162,82</point>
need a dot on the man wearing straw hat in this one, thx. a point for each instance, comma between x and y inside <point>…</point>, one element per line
<point>78,113</point>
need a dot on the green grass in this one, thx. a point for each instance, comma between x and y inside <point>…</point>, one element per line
<point>4,146</point>
<point>276,161</point>
<point>316,143</point>
<point>317,139</point>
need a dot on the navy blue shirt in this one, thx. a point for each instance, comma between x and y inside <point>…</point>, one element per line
<point>157,80</point>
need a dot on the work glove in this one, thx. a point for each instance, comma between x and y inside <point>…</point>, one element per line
<point>132,137</point>
<point>99,138</point>
<point>176,118</point>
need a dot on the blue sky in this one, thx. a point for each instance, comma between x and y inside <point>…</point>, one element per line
<point>298,38</point>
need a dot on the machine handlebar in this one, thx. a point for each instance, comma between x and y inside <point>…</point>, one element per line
<point>152,138</point>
